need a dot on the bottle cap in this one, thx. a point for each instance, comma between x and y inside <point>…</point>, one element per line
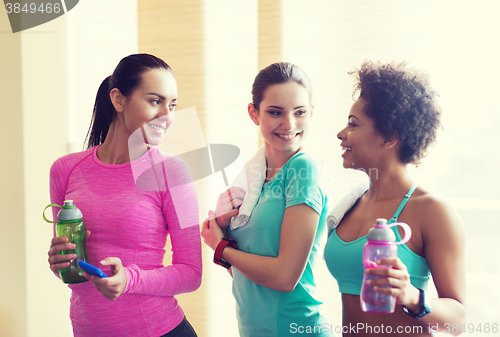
<point>69,212</point>
<point>381,232</point>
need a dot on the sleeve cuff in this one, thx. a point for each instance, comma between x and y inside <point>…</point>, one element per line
<point>130,276</point>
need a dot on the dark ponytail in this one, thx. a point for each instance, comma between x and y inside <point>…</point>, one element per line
<point>102,116</point>
<point>126,78</point>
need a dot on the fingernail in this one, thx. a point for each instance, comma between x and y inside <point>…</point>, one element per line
<point>103,262</point>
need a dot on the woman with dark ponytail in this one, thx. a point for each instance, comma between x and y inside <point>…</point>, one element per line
<point>132,196</point>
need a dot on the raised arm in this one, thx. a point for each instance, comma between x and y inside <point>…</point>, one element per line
<point>302,185</point>
<point>280,273</point>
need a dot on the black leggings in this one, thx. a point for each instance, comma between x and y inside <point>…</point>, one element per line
<point>184,329</point>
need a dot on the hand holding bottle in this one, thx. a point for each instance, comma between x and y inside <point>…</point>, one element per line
<point>71,233</point>
<point>394,281</point>
<point>384,274</point>
<point>59,261</point>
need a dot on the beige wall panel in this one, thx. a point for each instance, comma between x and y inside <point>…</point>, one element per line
<point>269,36</point>
<point>12,245</point>
<point>173,31</point>
<point>44,100</point>
<point>269,32</point>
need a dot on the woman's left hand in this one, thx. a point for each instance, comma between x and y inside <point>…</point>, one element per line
<point>111,287</point>
<point>397,277</point>
<point>211,232</point>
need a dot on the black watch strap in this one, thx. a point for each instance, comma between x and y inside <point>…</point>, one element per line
<point>425,306</point>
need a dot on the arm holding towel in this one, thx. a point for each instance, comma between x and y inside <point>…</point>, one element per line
<point>280,273</point>
<point>298,231</point>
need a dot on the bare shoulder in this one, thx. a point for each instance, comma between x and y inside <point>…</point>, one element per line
<point>435,214</point>
<point>443,239</point>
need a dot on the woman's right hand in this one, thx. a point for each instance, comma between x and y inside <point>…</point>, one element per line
<point>60,261</point>
<point>228,205</point>
<point>211,232</point>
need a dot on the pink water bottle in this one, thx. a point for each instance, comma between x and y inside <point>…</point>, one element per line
<point>381,243</point>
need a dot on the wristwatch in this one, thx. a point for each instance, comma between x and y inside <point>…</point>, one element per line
<point>220,248</point>
<point>425,302</point>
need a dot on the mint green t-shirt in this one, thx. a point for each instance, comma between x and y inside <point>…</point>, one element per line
<point>264,312</point>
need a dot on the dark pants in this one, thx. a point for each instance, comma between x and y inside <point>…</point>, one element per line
<point>184,329</point>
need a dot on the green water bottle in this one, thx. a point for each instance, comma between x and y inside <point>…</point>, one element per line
<point>69,224</point>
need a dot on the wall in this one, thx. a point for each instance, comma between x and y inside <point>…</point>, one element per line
<point>12,245</point>
<point>50,75</point>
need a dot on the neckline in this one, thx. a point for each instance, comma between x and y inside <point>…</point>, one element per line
<point>281,169</point>
<point>118,166</point>
<point>346,243</point>
<point>394,217</point>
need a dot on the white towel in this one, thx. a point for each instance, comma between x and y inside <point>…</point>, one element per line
<point>251,179</point>
<point>345,204</point>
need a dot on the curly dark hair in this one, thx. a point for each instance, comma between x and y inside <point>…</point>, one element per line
<point>400,101</point>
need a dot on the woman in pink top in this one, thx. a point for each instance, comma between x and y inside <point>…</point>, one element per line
<point>132,197</point>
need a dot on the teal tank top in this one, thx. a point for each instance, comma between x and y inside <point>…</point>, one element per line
<point>345,259</point>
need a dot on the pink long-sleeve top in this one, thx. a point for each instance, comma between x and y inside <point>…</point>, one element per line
<point>130,210</point>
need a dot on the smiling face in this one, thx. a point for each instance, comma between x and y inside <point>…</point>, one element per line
<point>283,116</point>
<point>360,141</point>
<point>151,106</point>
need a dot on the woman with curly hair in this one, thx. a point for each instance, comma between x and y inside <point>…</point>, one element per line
<point>391,125</point>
